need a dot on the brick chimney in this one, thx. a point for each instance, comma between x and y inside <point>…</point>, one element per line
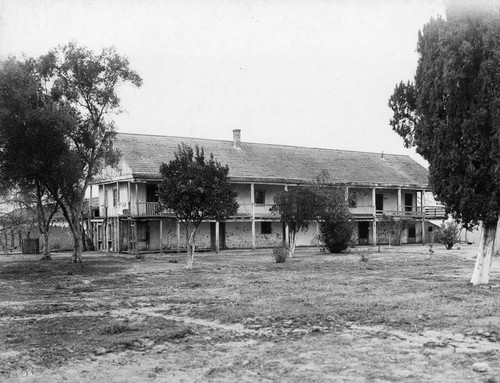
<point>236,138</point>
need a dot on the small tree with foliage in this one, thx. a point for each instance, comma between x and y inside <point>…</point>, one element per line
<point>450,113</point>
<point>337,226</point>
<point>297,208</point>
<point>449,234</point>
<point>196,189</point>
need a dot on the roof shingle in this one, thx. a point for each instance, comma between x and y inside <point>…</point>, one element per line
<point>275,163</point>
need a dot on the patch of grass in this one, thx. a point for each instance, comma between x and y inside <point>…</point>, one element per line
<point>314,293</point>
<point>116,328</point>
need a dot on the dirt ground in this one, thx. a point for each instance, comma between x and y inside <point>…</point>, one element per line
<point>405,315</point>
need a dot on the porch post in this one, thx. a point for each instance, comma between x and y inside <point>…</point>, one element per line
<point>217,241</point>
<point>422,207</point>
<point>287,229</point>
<point>399,201</point>
<point>89,229</point>
<point>374,218</point>
<point>178,236</point>
<point>347,194</point>
<point>136,199</point>
<point>118,235</point>
<point>161,236</point>
<point>252,201</point>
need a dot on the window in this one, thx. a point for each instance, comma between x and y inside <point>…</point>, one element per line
<point>266,227</point>
<point>260,197</point>
<point>379,202</point>
<point>151,190</point>
<point>115,196</point>
<point>408,202</point>
<point>412,232</point>
<point>352,199</point>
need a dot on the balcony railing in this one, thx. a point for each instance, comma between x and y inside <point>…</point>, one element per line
<point>151,209</point>
<point>262,211</point>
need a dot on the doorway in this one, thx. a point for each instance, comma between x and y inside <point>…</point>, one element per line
<point>408,202</point>
<point>363,232</point>
<point>379,202</point>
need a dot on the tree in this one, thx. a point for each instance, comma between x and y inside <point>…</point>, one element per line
<point>337,226</point>
<point>89,82</point>
<point>449,234</point>
<point>36,199</point>
<point>196,189</point>
<point>32,126</point>
<point>297,207</point>
<point>65,97</point>
<point>451,114</point>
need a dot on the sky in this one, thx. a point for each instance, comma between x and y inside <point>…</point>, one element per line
<point>313,73</point>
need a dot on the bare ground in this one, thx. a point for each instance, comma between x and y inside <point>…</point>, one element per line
<point>401,316</point>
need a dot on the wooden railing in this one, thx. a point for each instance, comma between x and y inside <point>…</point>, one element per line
<point>150,209</point>
<point>262,211</point>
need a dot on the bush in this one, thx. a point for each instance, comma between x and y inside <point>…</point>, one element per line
<point>338,226</point>
<point>280,253</point>
<point>336,234</point>
<point>449,235</point>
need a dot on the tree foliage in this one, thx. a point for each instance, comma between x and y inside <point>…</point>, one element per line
<point>451,112</point>
<point>449,234</point>
<point>297,208</point>
<point>337,227</point>
<point>56,110</point>
<point>196,188</point>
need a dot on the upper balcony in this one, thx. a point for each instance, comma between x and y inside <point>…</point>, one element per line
<point>261,211</point>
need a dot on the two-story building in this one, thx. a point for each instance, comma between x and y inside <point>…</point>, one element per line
<point>376,185</point>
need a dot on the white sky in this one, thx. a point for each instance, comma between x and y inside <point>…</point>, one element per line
<point>294,72</point>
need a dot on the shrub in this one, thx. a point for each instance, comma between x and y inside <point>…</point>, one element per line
<point>280,253</point>
<point>449,235</point>
<point>363,255</point>
<point>116,328</point>
<point>336,234</point>
<point>338,226</point>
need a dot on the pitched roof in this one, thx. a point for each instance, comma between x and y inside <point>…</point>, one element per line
<point>143,155</point>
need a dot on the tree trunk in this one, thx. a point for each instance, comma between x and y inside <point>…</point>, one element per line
<point>481,274</point>
<point>77,237</point>
<point>46,249</point>
<point>292,241</point>
<point>190,249</point>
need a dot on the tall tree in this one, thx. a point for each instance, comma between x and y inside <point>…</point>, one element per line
<point>451,114</point>
<point>88,82</point>
<point>297,208</point>
<point>66,98</point>
<point>196,188</point>
<point>32,139</point>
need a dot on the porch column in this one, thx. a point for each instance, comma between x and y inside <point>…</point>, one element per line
<point>217,241</point>
<point>422,209</point>
<point>399,201</point>
<point>161,236</point>
<point>136,199</point>
<point>317,232</point>
<point>252,201</point>
<point>136,248</point>
<point>287,230</point>
<point>119,235</point>
<point>178,236</point>
<point>89,216</point>
<point>347,194</point>
<point>374,218</point>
